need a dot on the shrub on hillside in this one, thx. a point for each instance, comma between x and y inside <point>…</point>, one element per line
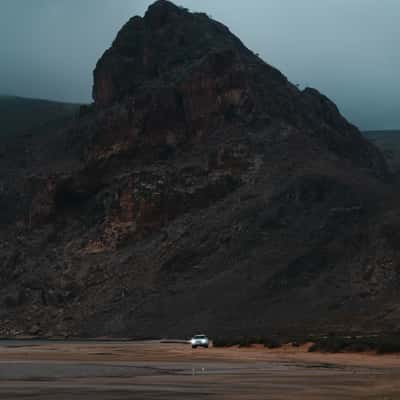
<point>335,344</point>
<point>246,341</point>
<point>388,344</point>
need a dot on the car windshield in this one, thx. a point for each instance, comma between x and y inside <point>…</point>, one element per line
<point>200,337</point>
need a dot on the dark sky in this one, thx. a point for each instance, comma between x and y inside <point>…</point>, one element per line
<point>348,49</point>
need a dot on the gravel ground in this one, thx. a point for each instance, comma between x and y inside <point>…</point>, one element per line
<point>151,370</point>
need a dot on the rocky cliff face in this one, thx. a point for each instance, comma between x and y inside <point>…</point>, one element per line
<point>201,191</point>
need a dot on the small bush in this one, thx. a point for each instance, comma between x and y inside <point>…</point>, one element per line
<point>272,343</point>
<point>244,342</point>
<point>314,347</point>
<point>388,344</point>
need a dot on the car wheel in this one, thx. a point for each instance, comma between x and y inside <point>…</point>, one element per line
<point>193,346</point>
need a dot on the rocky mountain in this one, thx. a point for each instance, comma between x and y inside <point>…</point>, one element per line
<point>202,191</point>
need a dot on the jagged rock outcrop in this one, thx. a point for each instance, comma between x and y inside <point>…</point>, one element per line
<point>201,191</point>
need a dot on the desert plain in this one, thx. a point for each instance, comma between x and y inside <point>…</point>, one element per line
<point>122,370</point>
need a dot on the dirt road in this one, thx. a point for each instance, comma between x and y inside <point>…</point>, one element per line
<point>150,370</point>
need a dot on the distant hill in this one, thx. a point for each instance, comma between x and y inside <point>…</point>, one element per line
<point>389,144</point>
<point>19,114</point>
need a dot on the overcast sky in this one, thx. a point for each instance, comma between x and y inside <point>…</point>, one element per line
<point>348,49</point>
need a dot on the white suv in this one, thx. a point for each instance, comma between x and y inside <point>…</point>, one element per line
<point>199,341</point>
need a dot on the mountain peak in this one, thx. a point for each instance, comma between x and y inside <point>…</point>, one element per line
<point>159,12</point>
<point>164,44</point>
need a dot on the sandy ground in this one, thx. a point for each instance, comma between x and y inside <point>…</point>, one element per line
<point>151,370</point>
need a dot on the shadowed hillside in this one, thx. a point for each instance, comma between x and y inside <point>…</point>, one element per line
<point>19,114</point>
<point>389,143</point>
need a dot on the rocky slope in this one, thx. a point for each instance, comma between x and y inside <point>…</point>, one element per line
<point>202,191</point>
